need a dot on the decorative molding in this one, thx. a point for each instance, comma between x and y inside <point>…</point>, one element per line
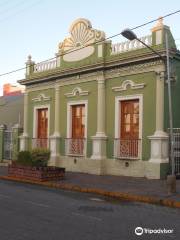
<point>108,74</point>
<point>63,82</point>
<point>40,87</point>
<point>76,92</point>
<point>82,35</point>
<point>127,83</point>
<point>41,98</point>
<point>134,69</point>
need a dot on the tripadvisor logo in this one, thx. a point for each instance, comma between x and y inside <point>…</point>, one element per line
<point>139,231</point>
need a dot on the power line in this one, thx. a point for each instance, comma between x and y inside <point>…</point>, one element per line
<point>74,50</point>
<point>25,8</point>
<point>165,16</point>
<point>12,7</point>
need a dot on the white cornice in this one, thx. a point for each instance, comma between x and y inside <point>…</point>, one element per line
<point>134,69</point>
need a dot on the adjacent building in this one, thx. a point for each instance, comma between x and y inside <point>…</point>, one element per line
<point>12,90</point>
<point>11,106</point>
<point>11,121</point>
<point>102,108</point>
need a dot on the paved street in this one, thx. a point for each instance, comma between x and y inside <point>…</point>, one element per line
<point>118,184</point>
<point>33,213</point>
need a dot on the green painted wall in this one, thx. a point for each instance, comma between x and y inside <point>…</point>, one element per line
<point>175,87</point>
<point>91,87</point>
<point>32,104</point>
<point>149,103</point>
<point>92,111</point>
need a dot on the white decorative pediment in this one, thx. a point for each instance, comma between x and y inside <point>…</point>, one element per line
<point>128,83</point>
<point>82,37</point>
<point>76,92</point>
<point>41,98</point>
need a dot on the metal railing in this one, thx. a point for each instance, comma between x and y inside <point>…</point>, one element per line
<point>8,145</point>
<point>75,146</point>
<point>40,143</point>
<point>127,148</point>
<point>176,149</point>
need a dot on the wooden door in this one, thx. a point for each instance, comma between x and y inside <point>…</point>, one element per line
<point>78,121</point>
<point>129,128</point>
<point>42,127</point>
<point>78,129</point>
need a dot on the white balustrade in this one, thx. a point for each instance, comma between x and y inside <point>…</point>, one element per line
<point>45,66</point>
<point>131,45</point>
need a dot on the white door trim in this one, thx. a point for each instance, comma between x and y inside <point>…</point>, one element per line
<point>69,116</point>
<point>118,99</point>
<point>35,119</point>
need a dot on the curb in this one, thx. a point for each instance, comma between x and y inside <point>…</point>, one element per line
<point>115,195</point>
<point>4,164</point>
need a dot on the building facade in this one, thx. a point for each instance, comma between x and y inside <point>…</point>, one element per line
<point>12,90</point>
<point>11,106</point>
<point>11,121</point>
<point>102,108</point>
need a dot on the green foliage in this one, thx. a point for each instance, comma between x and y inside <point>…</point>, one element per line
<point>36,158</point>
<point>24,158</point>
<point>40,157</point>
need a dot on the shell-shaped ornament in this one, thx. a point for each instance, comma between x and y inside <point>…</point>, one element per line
<point>83,37</point>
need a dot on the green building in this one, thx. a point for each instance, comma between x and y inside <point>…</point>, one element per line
<point>102,108</point>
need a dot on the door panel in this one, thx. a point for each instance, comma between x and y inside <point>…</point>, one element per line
<point>78,129</point>
<point>42,127</point>
<point>129,128</point>
<point>129,119</point>
<point>78,121</point>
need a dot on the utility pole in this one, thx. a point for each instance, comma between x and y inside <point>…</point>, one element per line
<point>171,179</point>
<point>170,107</point>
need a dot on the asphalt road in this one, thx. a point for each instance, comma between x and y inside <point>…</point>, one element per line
<point>33,213</point>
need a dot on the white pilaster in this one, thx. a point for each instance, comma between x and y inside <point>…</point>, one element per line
<point>159,141</point>
<point>99,140</point>
<point>57,112</point>
<point>55,138</point>
<point>159,148</point>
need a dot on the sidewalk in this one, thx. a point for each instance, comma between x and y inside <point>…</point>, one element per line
<point>129,188</point>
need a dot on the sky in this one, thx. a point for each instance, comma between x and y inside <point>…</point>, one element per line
<point>36,27</point>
